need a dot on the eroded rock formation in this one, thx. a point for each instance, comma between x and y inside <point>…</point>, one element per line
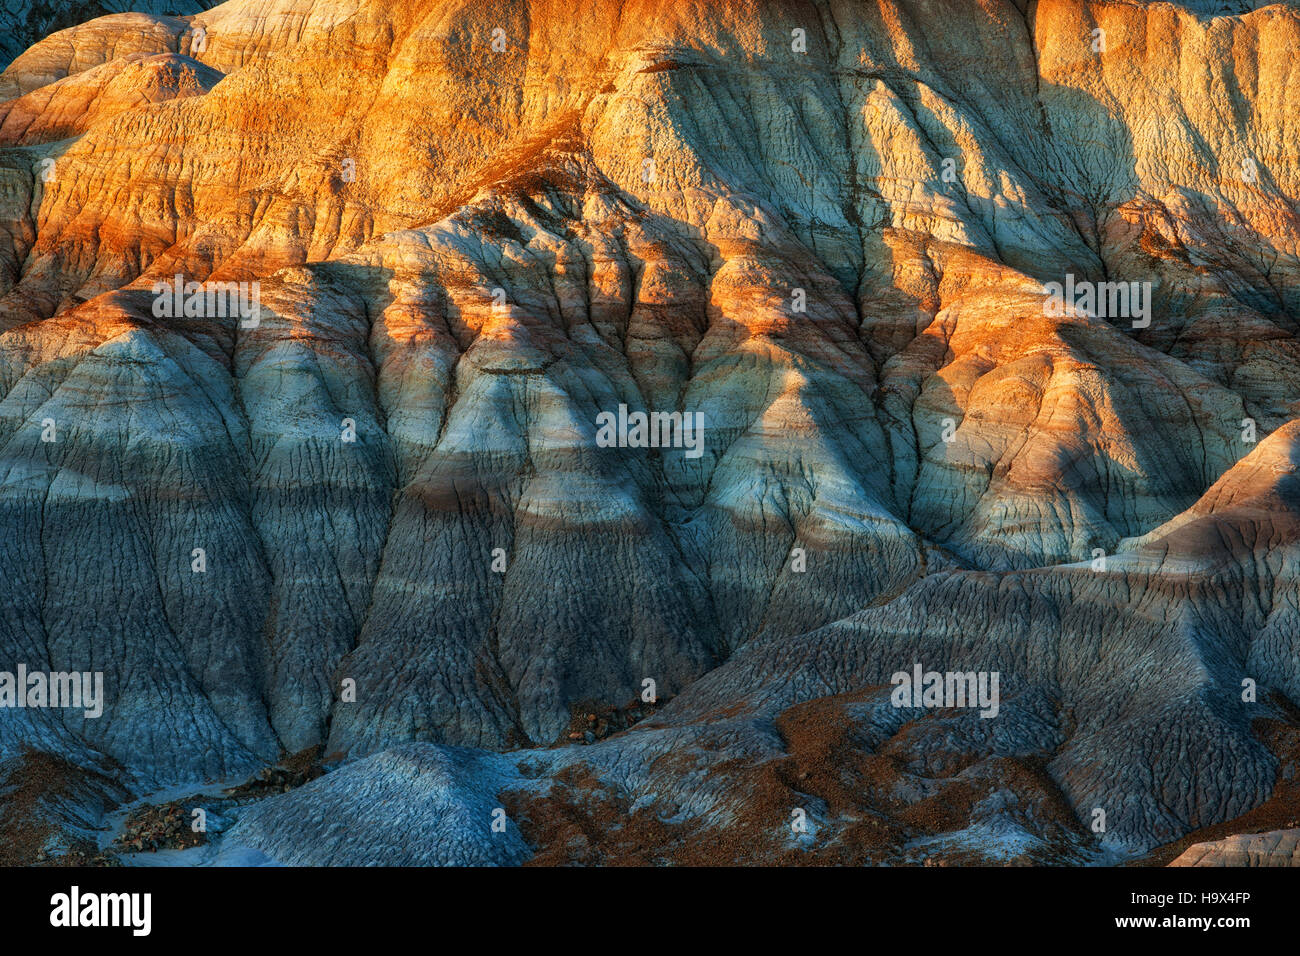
<point>375,517</point>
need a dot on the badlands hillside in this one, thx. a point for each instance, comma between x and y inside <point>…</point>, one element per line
<point>24,22</point>
<point>368,524</point>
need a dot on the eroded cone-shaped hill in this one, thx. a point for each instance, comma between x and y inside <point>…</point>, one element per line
<point>1265,849</point>
<point>24,22</point>
<point>826,227</point>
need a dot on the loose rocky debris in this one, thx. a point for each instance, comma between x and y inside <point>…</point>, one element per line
<point>589,724</point>
<point>169,826</point>
<point>165,827</point>
<point>289,774</point>
<point>80,855</point>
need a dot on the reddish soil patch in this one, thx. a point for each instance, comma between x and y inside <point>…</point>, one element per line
<point>165,827</point>
<point>41,780</point>
<point>582,820</point>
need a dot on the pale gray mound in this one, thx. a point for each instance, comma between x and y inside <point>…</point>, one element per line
<point>414,805</point>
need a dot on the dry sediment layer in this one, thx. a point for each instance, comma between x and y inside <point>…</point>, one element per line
<point>828,228</point>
